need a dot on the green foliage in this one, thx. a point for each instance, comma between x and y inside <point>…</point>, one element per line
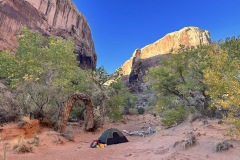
<point>40,101</point>
<point>180,77</point>
<point>141,110</point>
<point>48,60</point>
<point>174,116</point>
<point>120,97</point>
<point>223,80</point>
<point>234,122</point>
<point>100,76</point>
<point>78,111</point>
<point>111,94</point>
<point>210,74</point>
<point>44,71</point>
<point>223,74</point>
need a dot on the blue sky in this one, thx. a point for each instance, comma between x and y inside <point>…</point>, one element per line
<point>120,26</point>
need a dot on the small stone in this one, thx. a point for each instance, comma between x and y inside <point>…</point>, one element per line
<point>128,155</point>
<point>205,122</point>
<point>220,122</point>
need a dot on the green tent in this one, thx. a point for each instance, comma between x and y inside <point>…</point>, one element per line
<point>112,136</point>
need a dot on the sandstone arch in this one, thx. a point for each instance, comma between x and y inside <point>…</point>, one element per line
<point>68,106</point>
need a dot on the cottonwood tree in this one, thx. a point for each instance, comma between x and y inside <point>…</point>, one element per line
<point>222,77</point>
<point>46,61</point>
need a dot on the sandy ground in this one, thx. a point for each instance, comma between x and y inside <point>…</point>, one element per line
<point>158,146</point>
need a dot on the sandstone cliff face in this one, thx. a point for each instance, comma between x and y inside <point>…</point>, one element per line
<point>50,17</point>
<point>188,36</point>
<point>135,77</point>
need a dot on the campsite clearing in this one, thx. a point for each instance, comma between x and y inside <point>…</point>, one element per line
<point>165,144</point>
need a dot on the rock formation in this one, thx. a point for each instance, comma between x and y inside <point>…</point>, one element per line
<point>188,36</point>
<point>50,17</point>
<point>135,68</point>
<point>135,77</point>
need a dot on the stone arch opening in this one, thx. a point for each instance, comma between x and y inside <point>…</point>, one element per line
<point>68,106</point>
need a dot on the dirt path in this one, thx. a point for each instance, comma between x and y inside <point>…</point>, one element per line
<point>159,146</point>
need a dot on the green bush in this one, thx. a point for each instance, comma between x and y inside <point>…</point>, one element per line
<point>40,101</point>
<point>141,110</point>
<point>175,116</point>
<point>120,99</point>
<point>78,111</point>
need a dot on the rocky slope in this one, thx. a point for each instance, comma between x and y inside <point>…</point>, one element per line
<point>188,36</point>
<point>50,17</point>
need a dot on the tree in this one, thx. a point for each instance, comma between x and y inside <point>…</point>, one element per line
<point>40,102</point>
<point>223,74</point>
<point>111,94</point>
<point>119,99</point>
<point>178,81</point>
<point>222,77</point>
<point>100,78</point>
<point>47,61</point>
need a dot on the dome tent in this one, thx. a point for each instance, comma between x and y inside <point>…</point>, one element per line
<point>112,136</point>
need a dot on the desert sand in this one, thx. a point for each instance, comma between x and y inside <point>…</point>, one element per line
<point>165,144</point>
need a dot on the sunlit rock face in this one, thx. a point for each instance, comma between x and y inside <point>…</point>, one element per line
<point>135,68</point>
<point>135,79</point>
<point>188,36</point>
<point>50,17</point>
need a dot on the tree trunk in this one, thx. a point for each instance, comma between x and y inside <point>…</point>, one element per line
<point>101,109</point>
<point>67,108</point>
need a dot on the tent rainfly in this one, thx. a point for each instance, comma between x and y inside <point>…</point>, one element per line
<point>112,136</point>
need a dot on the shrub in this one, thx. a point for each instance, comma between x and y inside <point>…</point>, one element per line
<point>175,116</point>
<point>40,102</point>
<point>188,142</point>
<point>34,141</point>
<point>234,123</point>
<point>41,71</point>
<point>120,99</point>
<point>222,146</point>
<point>133,111</point>
<point>8,107</point>
<point>141,110</point>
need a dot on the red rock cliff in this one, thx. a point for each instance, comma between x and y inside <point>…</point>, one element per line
<point>188,36</point>
<point>50,17</point>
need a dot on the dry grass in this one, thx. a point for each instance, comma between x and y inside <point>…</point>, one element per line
<point>188,142</point>
<point>26,119</point>
<point>3,157</point>
<point>20,145</point>
<point>68,134</point>
<point>57,140</point>
<point>34,141</point>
